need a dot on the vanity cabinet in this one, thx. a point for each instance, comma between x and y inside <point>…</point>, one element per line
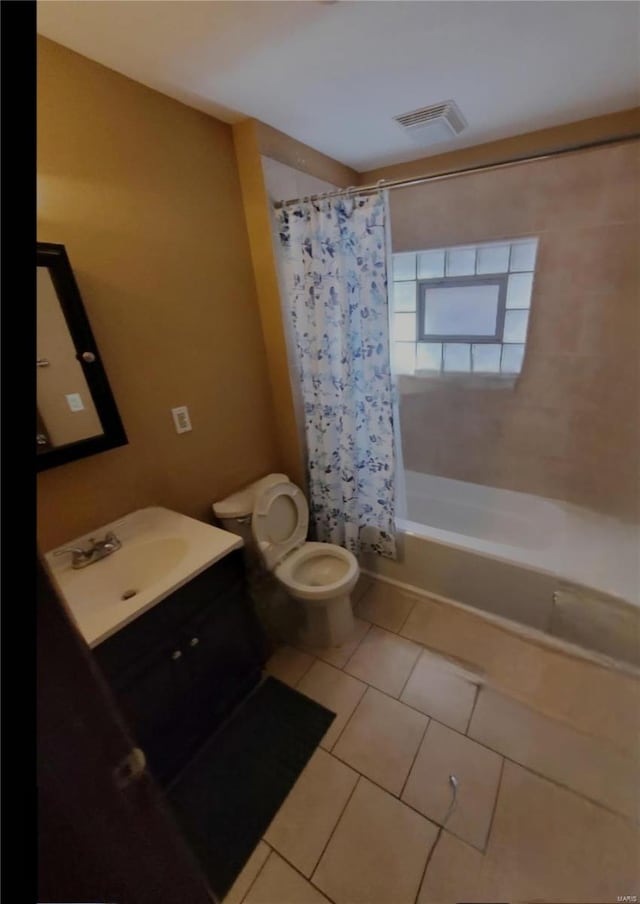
<point>179,669</point>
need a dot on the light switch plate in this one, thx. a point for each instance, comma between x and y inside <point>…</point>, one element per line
<point>181,419</point>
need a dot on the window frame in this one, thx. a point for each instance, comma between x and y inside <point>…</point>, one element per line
<point>453,282</point>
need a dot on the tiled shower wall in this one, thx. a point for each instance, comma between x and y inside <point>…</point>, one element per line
<point>568,426</point>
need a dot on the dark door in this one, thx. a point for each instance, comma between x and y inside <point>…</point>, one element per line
<point>103,835</point>
<point>43,443</point>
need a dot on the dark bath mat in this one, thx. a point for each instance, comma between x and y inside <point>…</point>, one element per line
<point>227,796</point>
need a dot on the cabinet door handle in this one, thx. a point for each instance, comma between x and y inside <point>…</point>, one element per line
<point>194,641</point>
<point>176,655</point>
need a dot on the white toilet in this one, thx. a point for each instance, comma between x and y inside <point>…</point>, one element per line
<point>320,576</point>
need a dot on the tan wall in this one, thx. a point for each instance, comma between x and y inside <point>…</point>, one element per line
<point>284,149</point>
<point>625,122</point>
<point>144,193</point>
<point>569,428</point>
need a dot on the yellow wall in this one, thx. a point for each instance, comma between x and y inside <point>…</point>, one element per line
<point>257,212</point>
<point>281,147</point>
<point>144,193</point>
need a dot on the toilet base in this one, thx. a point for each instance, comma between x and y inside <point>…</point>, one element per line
<point>327,623</point>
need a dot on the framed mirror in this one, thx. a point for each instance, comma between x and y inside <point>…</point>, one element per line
<point>76,413</point>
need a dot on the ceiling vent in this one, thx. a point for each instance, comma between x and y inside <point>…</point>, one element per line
<point>430,125</point>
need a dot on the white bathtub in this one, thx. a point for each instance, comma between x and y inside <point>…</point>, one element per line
<point>545,563</point>
<point>554,537</point>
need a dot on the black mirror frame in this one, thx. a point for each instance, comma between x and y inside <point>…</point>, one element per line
<point>54,258</point>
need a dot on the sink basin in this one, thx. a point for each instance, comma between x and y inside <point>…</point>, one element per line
<point>161,550</point>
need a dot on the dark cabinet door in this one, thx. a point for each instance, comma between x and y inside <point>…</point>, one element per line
<point>152,700</point>
<point>179,669</point>
<point>223,660</point>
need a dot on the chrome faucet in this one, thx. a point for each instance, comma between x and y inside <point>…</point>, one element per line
<point>97,549</point>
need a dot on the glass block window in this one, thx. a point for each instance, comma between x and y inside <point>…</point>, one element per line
<point>463,309</point>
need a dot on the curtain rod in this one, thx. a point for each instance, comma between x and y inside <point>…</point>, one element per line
<point>450,174</point>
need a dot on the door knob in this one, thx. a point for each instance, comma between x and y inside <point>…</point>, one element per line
<point>194,641</point>
<point>176,655</point>
<point>89,357</point>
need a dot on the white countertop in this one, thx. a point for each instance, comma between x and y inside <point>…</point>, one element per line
<point>161,551</point>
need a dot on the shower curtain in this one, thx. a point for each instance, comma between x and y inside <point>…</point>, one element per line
<point>333,266</point>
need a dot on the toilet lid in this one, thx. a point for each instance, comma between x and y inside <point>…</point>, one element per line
<point>280,521</point>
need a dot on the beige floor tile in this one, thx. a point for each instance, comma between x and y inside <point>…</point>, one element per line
<point>311,810</point>
<point>383,660</point>
<point>439,689</point>
<point>338,656</point>
<point>553,749</point>
<point>454,873</point>
<point>444,752</point>
<point>378,851</point>
<point>249,872</point>
<point>550,844</point>
<point>381,739</point>
<point>289,665</point>
<point>589,696</point>
<point>279,883</point>
<point>467,638</point>
<point>546,844</point>
<point>337,691</point>
<point>386,605</point>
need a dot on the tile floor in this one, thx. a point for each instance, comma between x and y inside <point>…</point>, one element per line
<point>544,747</point>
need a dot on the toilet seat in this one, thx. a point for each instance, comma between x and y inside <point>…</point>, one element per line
<point>311,571</point>
<point>280,521</point>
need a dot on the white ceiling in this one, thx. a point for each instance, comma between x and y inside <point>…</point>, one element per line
<point>333,74</point>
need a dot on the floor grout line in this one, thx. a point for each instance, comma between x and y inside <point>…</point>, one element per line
<point>333,830</point>
<point>495,807</point>
<point>357,646</point>
<point>406,618</point>
<point>426,866</point>
<point>473,709</point>
<point>386,791</point>
<point>464,734</point>
<point>255,878</point>
<point>374,686</point>
<point>351,715</point>
<point>415,757</point>
<point>411,671</point>
<point>314,659</point>
<point>509,759</point>
<point>299,872</point>
<point>553,781</point>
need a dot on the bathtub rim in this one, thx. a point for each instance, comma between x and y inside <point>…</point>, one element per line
<point>477,546</point>
<point>536,635</point>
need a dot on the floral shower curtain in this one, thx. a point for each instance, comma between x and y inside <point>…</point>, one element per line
<point>333,266</point>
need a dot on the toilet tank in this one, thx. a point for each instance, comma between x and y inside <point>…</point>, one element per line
<point>235,510</point>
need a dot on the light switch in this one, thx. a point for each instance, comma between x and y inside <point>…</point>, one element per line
<point>74,401</point>
<point>181,419</point>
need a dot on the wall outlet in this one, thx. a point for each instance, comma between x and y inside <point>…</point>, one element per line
<point>74,401</point>
<point>181,419</point>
